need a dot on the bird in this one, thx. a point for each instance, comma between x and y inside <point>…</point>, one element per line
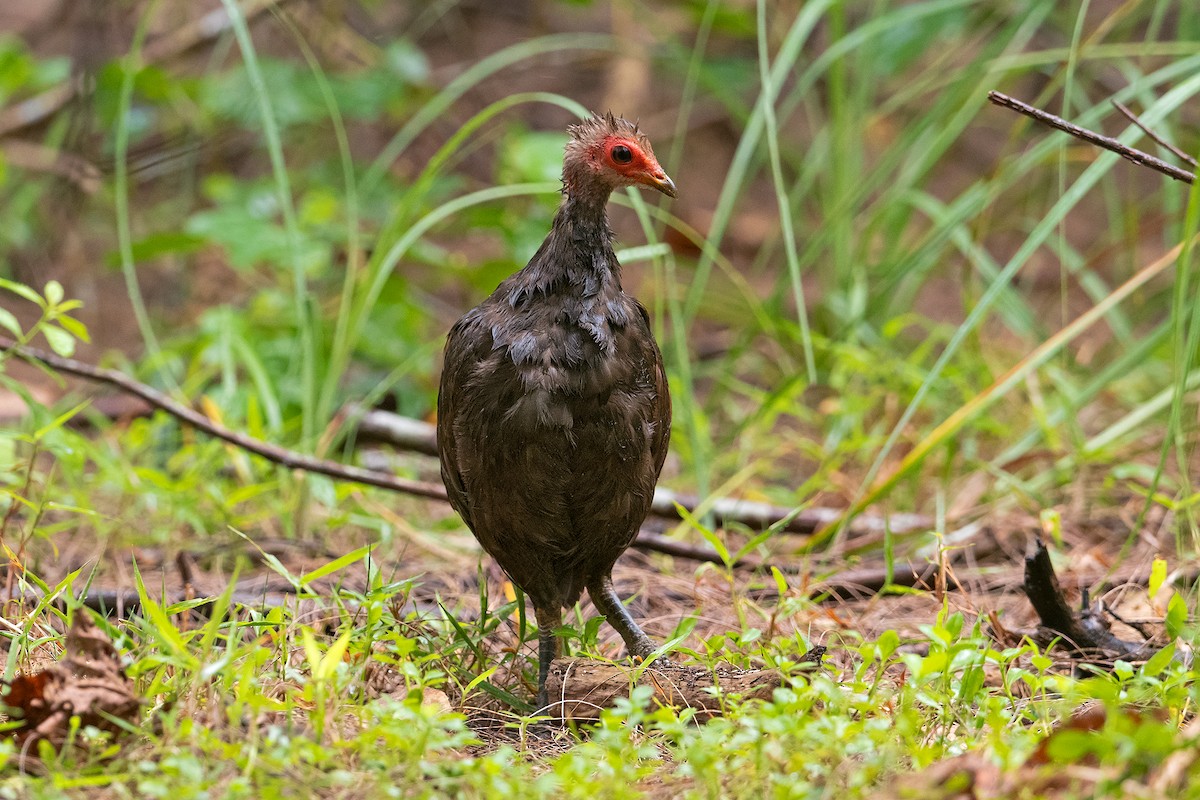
<point>553,412</point>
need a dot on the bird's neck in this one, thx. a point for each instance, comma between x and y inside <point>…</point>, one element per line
<point>584,217</point>
<point>578,254</point>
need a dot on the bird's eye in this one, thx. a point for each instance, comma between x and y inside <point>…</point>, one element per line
<point>622,154</point>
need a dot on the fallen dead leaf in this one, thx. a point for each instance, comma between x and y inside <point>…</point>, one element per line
<point>89,683</point>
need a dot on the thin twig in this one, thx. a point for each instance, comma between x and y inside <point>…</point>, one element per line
<point>279,455</point>
<point>656,542</point>
<point>404,433</point>
<point>666,503</point>
<point>1129,115</point>
<point>1106,142</point>
<point>421,437</point>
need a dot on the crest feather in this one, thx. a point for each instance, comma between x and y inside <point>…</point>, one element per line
<point>598,126</point>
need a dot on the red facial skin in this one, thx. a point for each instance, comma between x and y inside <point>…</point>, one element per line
<point>643,168</point>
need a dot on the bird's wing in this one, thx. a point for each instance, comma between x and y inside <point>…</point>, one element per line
<point>661,441</point>
<point>460,357</point>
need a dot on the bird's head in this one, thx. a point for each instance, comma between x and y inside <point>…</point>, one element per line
<point>607,152</point>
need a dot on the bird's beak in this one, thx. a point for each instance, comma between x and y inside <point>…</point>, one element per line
<point>661,181</point>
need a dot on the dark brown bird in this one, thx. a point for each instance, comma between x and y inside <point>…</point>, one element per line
<point>553,413</point>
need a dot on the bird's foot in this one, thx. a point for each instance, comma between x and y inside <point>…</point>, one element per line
<point>644,651</point>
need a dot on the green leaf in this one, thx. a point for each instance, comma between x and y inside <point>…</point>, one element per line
<point>8,321</point>
<point>60,341</point>
<point>154,84</point>
<point>972,683</point>
<point>709,536</point>
<point>781,583</point>
<point>326,668</point>
<point>888,643</point>
<point>954,625</point>
<point>74,327</point>
<point>16,66</point>
<point>54,292</point>
<point>480,678</point>
<point>1177,614</point>
<point>60,420</point>
<point>505,696</point>
<point>335,565</point>
<point>161,244</point>
<point>271,561</point>
<point>65,306</point>
<point>406,61</point>
<point>160,624</point>
<point>753,543</point>
<point>22,290</point>
<point>1159,661</point>
<point>531,156</point>
<point>1158,576</point>
<point>311,651</point>
<point>462,633</point>
<point>1067,746</point>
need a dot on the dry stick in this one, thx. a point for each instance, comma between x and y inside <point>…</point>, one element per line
<point>754,514</point>
<point>279,455</point>
<point>1084,634</point>
<point>1108,143</point>
<point>1129,115</point>
<point>421,437</point>
<point>645,541</point>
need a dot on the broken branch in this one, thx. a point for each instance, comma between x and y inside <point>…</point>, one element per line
<point>748,513</point>
<point>1091,137</point>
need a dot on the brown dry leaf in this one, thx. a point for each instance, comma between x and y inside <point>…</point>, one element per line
<point>963,777</point>
<point>1172,775</point>
<point>89,682</point>
<point>971,776</point>
<point>1090,718</point>
<point>436,700</point>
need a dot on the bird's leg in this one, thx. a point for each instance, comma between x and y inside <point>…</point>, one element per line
<point>549,619</point>
<point>605,599</point>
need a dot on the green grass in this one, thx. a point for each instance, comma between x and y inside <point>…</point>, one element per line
<point>251,704</point>
<point>891,296</point>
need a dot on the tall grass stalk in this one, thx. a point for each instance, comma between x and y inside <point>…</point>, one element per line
<point>335,369</point>
<point>307,322</point>
<point>1185,318</point>
<point>121,193</point>
<point>1041,231</point>
<point>397,235</point>
<point>785,61</point>
<point>1012,378</point>
<point>477,72</point>
<point>781,196</point>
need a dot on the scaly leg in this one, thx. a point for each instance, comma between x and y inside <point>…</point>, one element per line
<point>605,599</point>
<point>549,646</point>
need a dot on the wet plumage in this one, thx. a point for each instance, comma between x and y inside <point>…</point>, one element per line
<point>553,412</point>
